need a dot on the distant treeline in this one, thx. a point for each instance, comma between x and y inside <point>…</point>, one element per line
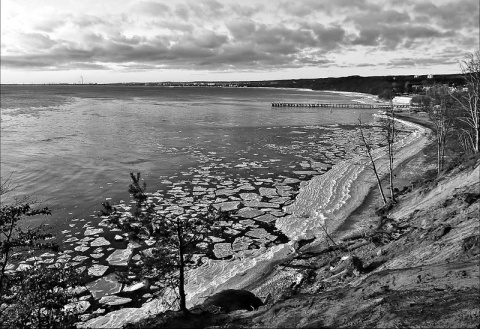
<point>383,86</point>
<point>377,85</point>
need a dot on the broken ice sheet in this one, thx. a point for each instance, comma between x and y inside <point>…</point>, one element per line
<point>261,233</point>
<point>222,250</point>
<point>241,243</point>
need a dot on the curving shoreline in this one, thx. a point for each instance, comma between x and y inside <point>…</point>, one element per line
<point>328,198</point>
<point>347,183</point>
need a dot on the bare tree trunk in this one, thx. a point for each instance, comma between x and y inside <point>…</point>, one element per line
<point>181,278</point>
<point>439,157</point>
<point>443,145</point>
<point>477,139</point>
<point>390,134</point>
<point>440,114</point>
<point>374,167</point>
<point>390,172</point>
<point>469,99</point>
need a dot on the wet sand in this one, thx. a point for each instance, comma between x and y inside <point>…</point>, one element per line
<point>328,200</point>
<point>349,187</point>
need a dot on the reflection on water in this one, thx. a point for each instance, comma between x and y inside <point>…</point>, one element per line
<point>73,146</point>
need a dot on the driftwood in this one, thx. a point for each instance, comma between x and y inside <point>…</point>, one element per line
<point>358,245</point>
<point>345,246</point>
<point>348,265</point>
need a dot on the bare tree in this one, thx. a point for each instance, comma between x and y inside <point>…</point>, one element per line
<point>175,239</point>
<point>469,99</point>
<point>439,111</point>
<point>390,134</point>
<point>368,150</point>
<point>5,186</point>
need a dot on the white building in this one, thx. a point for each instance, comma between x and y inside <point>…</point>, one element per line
<point>401,100</point>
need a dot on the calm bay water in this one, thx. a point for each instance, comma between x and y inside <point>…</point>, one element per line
<point>72,147</point>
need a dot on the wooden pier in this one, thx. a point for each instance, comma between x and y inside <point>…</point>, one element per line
<point>344,106</point>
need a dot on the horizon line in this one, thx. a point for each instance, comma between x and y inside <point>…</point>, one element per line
<point>233,81</point>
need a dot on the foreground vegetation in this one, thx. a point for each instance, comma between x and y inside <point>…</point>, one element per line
<point>36,296</point>
<point>454,119</point>
<point>175,239</point>
<point>398,242</point>
<point>416,264</point>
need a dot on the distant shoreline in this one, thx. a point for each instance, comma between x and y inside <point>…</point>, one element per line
<point>411,77</point>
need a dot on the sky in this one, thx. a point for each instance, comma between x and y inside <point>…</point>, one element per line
<point>109,41</point>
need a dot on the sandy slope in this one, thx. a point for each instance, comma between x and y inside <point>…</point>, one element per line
<point>422,271</point>
<point>418,270</point>
<point>332,197</point>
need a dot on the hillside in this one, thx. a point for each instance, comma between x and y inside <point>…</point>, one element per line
<point>420,268</point>
<point>416,267</point>
<point>375,85</point>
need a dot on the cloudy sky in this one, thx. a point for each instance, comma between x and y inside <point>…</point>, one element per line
<point>53,41</point>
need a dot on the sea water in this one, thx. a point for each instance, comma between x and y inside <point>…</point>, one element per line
<point>72,147</point>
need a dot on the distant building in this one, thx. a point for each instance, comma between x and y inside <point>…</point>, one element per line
<point>401,101</point>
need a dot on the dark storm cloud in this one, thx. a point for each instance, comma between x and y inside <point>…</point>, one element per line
<point>37,41</point>
<point>448,55</point>
<point>241,28</point>
<point>234,56</point>
<point>392,37</point>
<point>271,39</point>
<point>391,29</point>
<point>329,38</point>
<point>86,66</point>
<point>421,61</point>
<point>27,61</point>
<point>207,9</point>
<point>209,39</point>
<point>50,25</point>
<point>381,17</point>
<point>308,61</point>
<point>213,34</point>
<point>49,63</point>
<point>453,15</point>
<point>246,11</point>
<point>329,7</point>
<point>182,12</point>
<point>367,37</point>
<point>283,39</point>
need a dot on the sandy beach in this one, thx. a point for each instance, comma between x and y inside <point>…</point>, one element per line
<point>325,202</point>
<point>327,199</point>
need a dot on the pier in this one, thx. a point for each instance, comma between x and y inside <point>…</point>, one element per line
<point>345,105</point>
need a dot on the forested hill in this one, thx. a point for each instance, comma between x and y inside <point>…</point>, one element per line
<point>372,85</point>
<point>376,85</point>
